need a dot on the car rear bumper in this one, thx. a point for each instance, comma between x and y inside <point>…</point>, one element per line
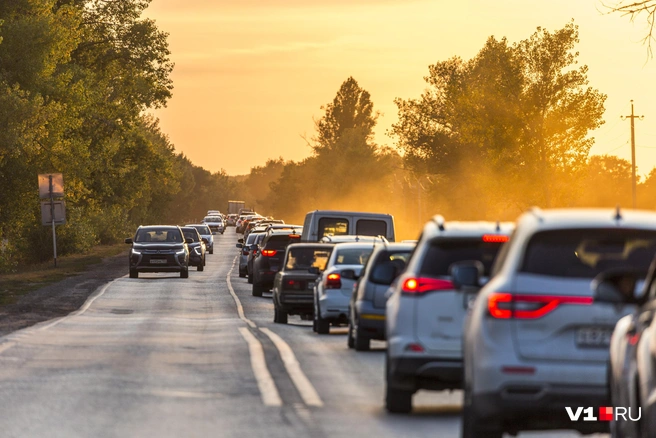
<point>519,407</point>
<point>334,305</point>
<point>415,373</point>
<point>296,302</point>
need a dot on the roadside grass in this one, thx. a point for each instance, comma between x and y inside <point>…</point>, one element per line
<point>32,277</point>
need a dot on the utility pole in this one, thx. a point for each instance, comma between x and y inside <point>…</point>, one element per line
<point>633,160</point>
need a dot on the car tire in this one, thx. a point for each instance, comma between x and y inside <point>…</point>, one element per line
<point>472,425</point>
<point>257,290</point>
<point>323,325</point>
<point>212,251</point>
<point>242,274</point>
<point>134,273</point>
<point>204,260</point>
<point>397,401</point>
<point>360,342</point>
<point>200,267</point>
<point>184,273</point>
<point>349,338</point>
<point>279,317</point>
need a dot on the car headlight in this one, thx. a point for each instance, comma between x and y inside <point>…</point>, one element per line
<point>197,250</point>
<point>181,252</point>
<point>135,252</point>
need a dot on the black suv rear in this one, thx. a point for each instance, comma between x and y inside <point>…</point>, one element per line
<point>269,258</point>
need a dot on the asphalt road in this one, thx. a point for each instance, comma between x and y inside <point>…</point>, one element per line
<point>161,356</point>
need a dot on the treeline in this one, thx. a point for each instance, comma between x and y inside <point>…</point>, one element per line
<point>489,137</point>
<point>76,80</point>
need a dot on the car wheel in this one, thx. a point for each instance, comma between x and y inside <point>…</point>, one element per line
<point>184,273</point>
<point>279,316</point>
<point>397,401</point>
<point>472,425</point>
<point>242,274</point>
<point>134,273</point>
<point>360,342</point>
<point>323,325</point>
<point>257,290</point>
<point>349,338</point>
<point>200,267</point>
<point>212,251</point>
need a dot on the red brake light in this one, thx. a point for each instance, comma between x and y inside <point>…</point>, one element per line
<point>495,238</point>
<point>294,236</point>
<point>269,252</point>
<point>422,285</point>
<point>334,281</point>
<point>506,306</point>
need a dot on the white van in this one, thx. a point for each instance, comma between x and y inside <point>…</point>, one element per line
<point>320,223</point>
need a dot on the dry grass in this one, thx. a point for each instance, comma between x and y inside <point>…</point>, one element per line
<point>32,277</point>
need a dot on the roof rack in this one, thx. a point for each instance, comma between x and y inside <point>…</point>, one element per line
<point>618,213</point>
<point>439,221</point>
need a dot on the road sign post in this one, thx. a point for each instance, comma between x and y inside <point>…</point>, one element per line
<point>52,212</point>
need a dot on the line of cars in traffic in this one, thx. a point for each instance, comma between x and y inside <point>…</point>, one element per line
<point>172,248</point>
<point>520,316</point>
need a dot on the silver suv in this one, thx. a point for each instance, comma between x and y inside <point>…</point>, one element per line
<point>536,343</point>
<point>426,311</point>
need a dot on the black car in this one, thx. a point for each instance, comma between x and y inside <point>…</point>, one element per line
<point>197,248</point>
<point>268,259</point>
<point>293,286</point>
<point>158,248</point>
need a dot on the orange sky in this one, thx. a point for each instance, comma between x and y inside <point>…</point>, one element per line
<point>251,74</point>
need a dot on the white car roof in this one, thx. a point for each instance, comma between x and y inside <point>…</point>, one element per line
<point>587,218</point>
<point>471,228</point>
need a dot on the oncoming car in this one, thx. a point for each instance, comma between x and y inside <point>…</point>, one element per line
<point>158,248</point>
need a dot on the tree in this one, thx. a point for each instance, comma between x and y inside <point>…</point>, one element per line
<point>634,9</point>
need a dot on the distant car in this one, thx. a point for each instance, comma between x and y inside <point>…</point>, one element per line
<point>293,285</point>
<point>367,305</point>
<point>158,248</point>
<point>196,248</point>
<point>426,310</point>
<point>231,220</point>
<point>206,235</point>
<point>536,340</point>
<point>245,247</point>
<point>215,223</point>
<point>214,213</point>
<point>268,259</point>
<point>334,288</point>
<point>254,250</point>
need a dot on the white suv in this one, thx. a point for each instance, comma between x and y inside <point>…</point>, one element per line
<point>536,343</point>
<point>425,311</point>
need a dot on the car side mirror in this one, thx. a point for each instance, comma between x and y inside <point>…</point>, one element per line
<point>384,273</point>
<point>205,240</point>
<point>617,286</point>
<point>129,240</point>
<point>240,240</point>
<point>239,245</point>
<point>349,274</point>
<point>466,274</point>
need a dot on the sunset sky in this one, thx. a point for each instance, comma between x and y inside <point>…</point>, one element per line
<point>250,75</point>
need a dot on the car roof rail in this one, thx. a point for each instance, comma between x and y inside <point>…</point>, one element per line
<point>537,212</point>
<point>439,221</point>
<point>618,213</point>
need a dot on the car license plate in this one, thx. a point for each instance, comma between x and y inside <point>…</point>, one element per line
<point>593,337</point>
<point>158,261</point>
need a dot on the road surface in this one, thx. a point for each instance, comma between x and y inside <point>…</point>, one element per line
<point>161,356</point>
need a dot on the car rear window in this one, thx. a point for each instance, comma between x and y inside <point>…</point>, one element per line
<point>279,242</point>
<point>353,256</point>
<point>584,253</point>
<point>306,258</point>
<point>330,226</point>
<point>368,227</point>
<point>442,253</point>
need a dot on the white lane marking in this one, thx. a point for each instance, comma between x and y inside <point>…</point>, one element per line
<point>302,383</point>
<point>81,310</point>
<point>240,308</point>
<point>268,390</point>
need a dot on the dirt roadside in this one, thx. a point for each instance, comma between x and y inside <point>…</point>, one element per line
<point>61,298</point>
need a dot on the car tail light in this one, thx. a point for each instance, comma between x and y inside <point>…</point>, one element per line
<point>495,238</point>
<point>333,281</point>
<point>422,285</point>
<point>269,252</point>
<point>415,348</point>
<point>294,236</point>
<point>245,253</point>
<point>503,305</point>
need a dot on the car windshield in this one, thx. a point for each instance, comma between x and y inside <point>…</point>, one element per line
<point>203,229</point>
<point>189,234</point>
<point>353,256</point>
<point>169,235</point>
<point>585,253</point>
<point>442,253</point>
<point>306,258</point>
<point>213,219</point>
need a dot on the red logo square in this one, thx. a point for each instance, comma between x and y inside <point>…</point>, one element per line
<point>605,413</point>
